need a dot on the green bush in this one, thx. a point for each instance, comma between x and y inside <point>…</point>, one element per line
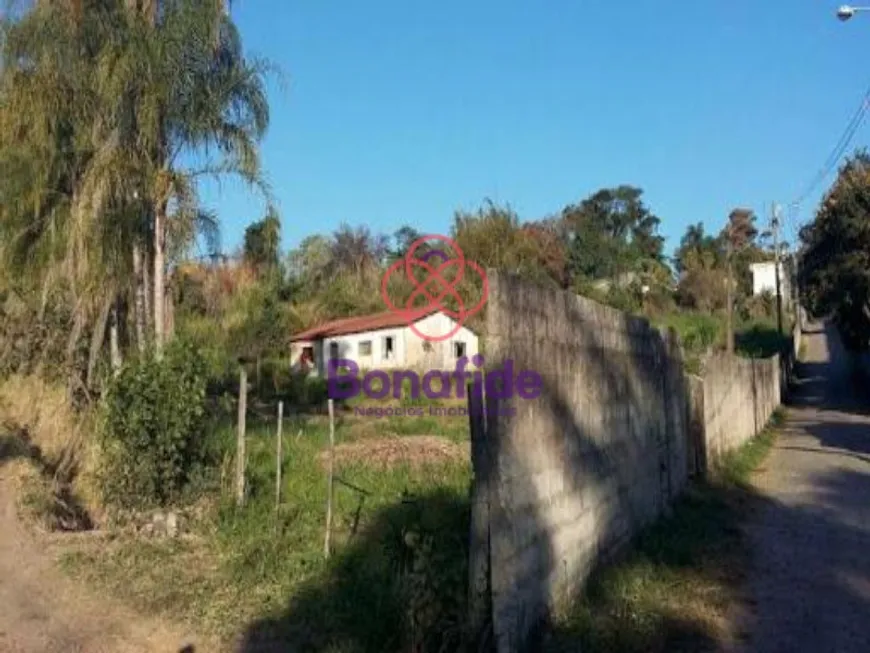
<point>315,391</point>
<point>154,428</point>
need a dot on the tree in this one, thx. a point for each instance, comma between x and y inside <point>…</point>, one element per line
<point>494,237</point>
<point>609,233</point>
<point>700,263</point>
<point>696,244</point>
<point>261,245</point>
<point>358,251</point>
<point>403,238</point>
<point>195,93</point>
<point>834,267</point>
<point>310,265</point>
<point>740,230</point>
<point>104,101</point>
<point>739,234</point>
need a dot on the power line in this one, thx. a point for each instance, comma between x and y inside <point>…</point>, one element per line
<point>830,163</point>
<point>835,155</point>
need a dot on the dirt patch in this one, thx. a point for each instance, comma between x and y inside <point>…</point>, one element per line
<point>44,611</point>
<point>415,451</point>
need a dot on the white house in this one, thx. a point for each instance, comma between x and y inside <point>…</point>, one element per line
<point>764,278</point>
<point>383,341</point>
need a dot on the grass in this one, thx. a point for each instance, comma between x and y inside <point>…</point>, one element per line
<point>400,551</point>
<point>759,339</point>
<point>701,332</point>
<point>242,566</point>
<point>672,590</point>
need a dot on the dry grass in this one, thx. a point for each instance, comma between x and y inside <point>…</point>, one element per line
<point>416,451</point>
<point>29,403</point>
<point>58,439</point>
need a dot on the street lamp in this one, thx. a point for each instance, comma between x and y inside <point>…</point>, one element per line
<point>846,12</point>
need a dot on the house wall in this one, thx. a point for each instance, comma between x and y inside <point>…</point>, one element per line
<point>764,279</point>
<point>349,348</point>
<point>437,355</point>
<point>409,349</point>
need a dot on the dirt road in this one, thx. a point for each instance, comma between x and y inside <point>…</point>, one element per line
<point>41,611</point>
<point>810,580</point>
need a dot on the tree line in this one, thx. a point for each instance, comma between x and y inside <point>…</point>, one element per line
<point>606,246</point>
<point>834,261</point>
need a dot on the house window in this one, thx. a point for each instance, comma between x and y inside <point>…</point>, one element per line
<point>458,349</point>
<point>388,348</point>
<point>307,357</point>
<point>365,348</point>
<point>333,350</point>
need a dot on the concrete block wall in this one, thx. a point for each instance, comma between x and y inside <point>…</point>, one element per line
<point>562,481</point>
<point>740,395</point>
<point>577,471</point>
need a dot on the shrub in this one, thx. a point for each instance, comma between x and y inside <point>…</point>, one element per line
<point>154,428</point>
<point>315,391</point>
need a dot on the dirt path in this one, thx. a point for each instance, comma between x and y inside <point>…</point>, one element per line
<point>41,611</point>
<point>810,581</point>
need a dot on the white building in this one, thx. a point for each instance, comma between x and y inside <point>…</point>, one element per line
<point>764,278</point>
<point>383,341</point>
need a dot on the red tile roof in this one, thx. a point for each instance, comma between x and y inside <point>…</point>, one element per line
<point>347,325</point>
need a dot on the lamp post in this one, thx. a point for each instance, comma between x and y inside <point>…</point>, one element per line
<point>846,12</point>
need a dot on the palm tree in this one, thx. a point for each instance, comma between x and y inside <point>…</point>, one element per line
<point>105,104</point>
<point>190,94</point>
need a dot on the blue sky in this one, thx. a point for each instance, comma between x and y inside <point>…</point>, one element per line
<point>397,112</point>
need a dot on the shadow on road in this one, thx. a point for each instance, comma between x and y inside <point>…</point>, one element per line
<point>813,593</point>
<point>811,533</point>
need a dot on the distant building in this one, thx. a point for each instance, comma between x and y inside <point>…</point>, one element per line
<point>383,341</point>
<point>764,278</point>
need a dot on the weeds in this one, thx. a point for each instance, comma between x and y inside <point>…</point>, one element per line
<point>397,574</point>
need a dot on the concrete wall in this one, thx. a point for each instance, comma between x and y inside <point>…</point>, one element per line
<point>740,394</point>
<point>597,456</point>
<point>564,480</point>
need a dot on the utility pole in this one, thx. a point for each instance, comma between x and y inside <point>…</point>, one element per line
<point>774,228</point>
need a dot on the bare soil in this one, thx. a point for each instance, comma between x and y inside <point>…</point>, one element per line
<point>414,450</point>
<point>45,612</point>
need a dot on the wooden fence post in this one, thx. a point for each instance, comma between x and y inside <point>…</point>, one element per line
<point>279,455</point>
<point>240,441</point>
<point>327,546</point>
